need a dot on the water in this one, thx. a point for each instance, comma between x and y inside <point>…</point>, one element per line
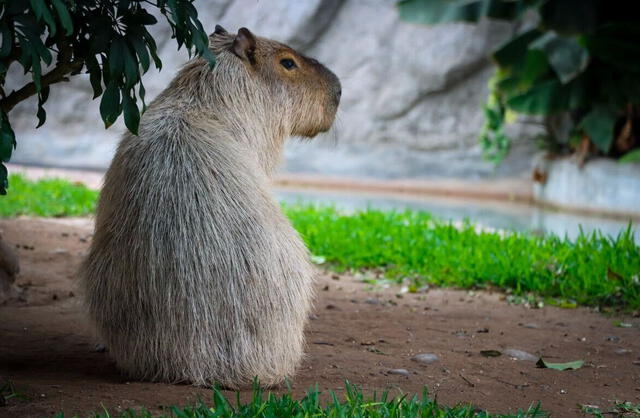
<point>492,214</point>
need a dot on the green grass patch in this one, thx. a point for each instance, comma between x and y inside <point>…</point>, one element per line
<point>594,269</point>
<point>47,198</point>
<point>354,404</point>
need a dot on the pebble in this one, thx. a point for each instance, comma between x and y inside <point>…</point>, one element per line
<point>401,372</point>
<point>612,338</point>
<point>532,326</point>
<point>425,358</point>
<point>373,301</point>
<point>622,351</point>
<point>520,355</point>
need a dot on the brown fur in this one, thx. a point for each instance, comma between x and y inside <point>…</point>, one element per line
<point>194,273</point>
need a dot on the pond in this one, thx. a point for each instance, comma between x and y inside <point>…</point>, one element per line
<point>492,214</point>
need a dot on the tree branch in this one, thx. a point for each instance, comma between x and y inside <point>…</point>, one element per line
<point>64,66</point>
<point>56,75</point>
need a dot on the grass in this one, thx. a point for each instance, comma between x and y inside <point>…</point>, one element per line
<point>592,270</point>
<point>47,198</point>
<point>355,404</point>
<point>413,246</point>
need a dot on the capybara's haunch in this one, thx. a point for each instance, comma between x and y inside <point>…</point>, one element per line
<point>194,274</point>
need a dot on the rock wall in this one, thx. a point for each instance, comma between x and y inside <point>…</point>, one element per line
<point>602,186</point>
<point>411,104</point>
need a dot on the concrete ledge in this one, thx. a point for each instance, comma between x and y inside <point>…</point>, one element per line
<point>515,190</point>
<point>600,187</point>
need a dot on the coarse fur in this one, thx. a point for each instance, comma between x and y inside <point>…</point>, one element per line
<point>194,273</point>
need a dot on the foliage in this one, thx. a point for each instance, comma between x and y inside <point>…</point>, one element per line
<point>355,404</point>
<point>108,39</point>
<point>410,245</point>
<point>578,65</point>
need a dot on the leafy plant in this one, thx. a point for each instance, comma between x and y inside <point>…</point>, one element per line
<point>108,39</point>
<point>354,404</point>
<point>578,66</point>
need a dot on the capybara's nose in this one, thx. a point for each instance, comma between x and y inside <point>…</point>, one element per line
<point>337,95</point>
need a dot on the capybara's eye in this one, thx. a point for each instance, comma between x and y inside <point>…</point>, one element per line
<point>287,63</point>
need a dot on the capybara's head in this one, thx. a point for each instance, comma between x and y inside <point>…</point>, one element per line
<point>297,90</point>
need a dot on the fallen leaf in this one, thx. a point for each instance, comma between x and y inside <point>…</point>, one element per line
<point>571,365</point>
<point>612,275</point>
<point>376,351</point>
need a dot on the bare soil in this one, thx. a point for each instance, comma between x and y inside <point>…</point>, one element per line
<point>359,334</point>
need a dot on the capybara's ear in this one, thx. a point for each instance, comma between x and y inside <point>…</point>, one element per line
<point>244,45</point>
<point>219,30</point>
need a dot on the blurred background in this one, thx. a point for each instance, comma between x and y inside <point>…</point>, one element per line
<point>412,110</point>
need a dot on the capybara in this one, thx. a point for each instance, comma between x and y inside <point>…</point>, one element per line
<point>194,273</point>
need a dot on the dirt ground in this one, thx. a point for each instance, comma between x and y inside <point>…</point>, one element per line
<point>47,349</point>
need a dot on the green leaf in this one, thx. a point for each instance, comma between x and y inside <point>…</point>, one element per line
<point>151,44</point>
<point>36,71</point>
<point>512,53</point>
<point>130,67</point>
<point>4,179</point>
<point>110,104</point>
<point>7,138</point>
<point>131,114</point>
<point>567,57</point>
<point>25,53</point>
<point>7,39</point>
<point>630,157</point>
<point>617,45</point>
<point>140,17</point>
<point>571,16</point>
<point>572,365</point>
<point>95,75</point>
<point>202,45</point>
<point>42,98</point>
<point>117,56</point>
<point>42,13</point>
<point>141,94</point>
<point>542,98</point>
<point>32,38</point>
<point>141,50</point>
<point>64,16</point>
<point>598,124</point>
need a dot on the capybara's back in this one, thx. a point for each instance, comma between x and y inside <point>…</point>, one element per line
<point>194,274</point>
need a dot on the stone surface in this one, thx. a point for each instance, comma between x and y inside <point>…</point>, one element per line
<point>411,104</point>
<point>520,355</point>
<point>425,358</point>
<point>400,372</point>
<point>601,186</point>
